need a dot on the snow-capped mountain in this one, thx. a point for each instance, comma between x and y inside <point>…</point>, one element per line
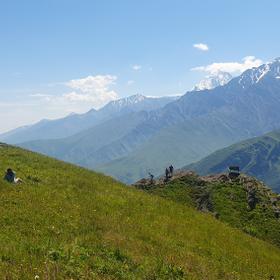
<point>212,81</point>
<point>246,79</point>
<point>119,104</point>
<point>129,100</point>
<point>265,71</point>
<point>136,103</point>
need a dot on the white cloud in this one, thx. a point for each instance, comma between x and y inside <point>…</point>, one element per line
<point>201,46</point>
<point>93,89</point>
<point>86,93</point>
<point>247,62</point>
<point>77,95</point>
<point>136,67</point>
<point>92,83</point>
<point>74,96</point>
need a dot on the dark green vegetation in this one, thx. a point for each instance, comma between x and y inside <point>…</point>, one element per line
<point>259,157</point>
<point>244,203</point>
<point>183,131</point>
<point>66,222</point>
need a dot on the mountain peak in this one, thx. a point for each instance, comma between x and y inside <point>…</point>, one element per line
<point>133,99</point>
<point>214,80</point>
<point>256,74</point>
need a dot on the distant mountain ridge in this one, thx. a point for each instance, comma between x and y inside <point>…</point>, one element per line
<point>181,132</point>
<point>75,123</point>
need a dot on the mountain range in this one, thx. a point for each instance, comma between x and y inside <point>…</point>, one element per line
<point>131,137</point>
<point>75,123</point>
<point>201,122</point>
<point>131,144</point>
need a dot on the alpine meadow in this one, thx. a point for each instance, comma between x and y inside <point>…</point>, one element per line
<point>140,140</point>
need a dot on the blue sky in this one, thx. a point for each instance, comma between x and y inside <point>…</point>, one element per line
<point>59,56</point>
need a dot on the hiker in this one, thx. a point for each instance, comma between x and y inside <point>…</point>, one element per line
<point>10,176</point>
<point>171,169</point>
<point>151,178</point>
<point>166,174</point>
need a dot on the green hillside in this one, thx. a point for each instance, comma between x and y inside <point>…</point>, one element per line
<point>259,157</point>
<point>66,222</point>
<point>244,203</point>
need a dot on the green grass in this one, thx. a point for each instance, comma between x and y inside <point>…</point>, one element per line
<point>66,222</point>
<point>229,202</point>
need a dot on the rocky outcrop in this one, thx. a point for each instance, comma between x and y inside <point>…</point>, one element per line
<point>202,195</point>
<point>242,202</point>
<point>161,181</point>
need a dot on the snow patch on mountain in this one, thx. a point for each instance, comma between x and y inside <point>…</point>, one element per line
<point>255,75</point>
<point>212,81</point>
<point>134,99</point>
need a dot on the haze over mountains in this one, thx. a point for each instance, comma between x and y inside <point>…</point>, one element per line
<point>74,123</point>
<point>132,142</point>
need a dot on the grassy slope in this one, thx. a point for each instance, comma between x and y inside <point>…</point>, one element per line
<point>229,201</point>
<point>66,222</point>
<point>259,157</point>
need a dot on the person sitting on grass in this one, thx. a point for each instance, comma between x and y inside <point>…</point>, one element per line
<point>10,177</point>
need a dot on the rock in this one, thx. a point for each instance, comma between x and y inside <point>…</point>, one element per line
<point>252,199</point>
<point>143,183</point>
<point>216,178</point>
<point>204,202</point>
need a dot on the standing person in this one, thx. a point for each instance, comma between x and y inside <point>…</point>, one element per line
<point>151,178</point>
<point>166,174</point>
<point>171,169</point>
